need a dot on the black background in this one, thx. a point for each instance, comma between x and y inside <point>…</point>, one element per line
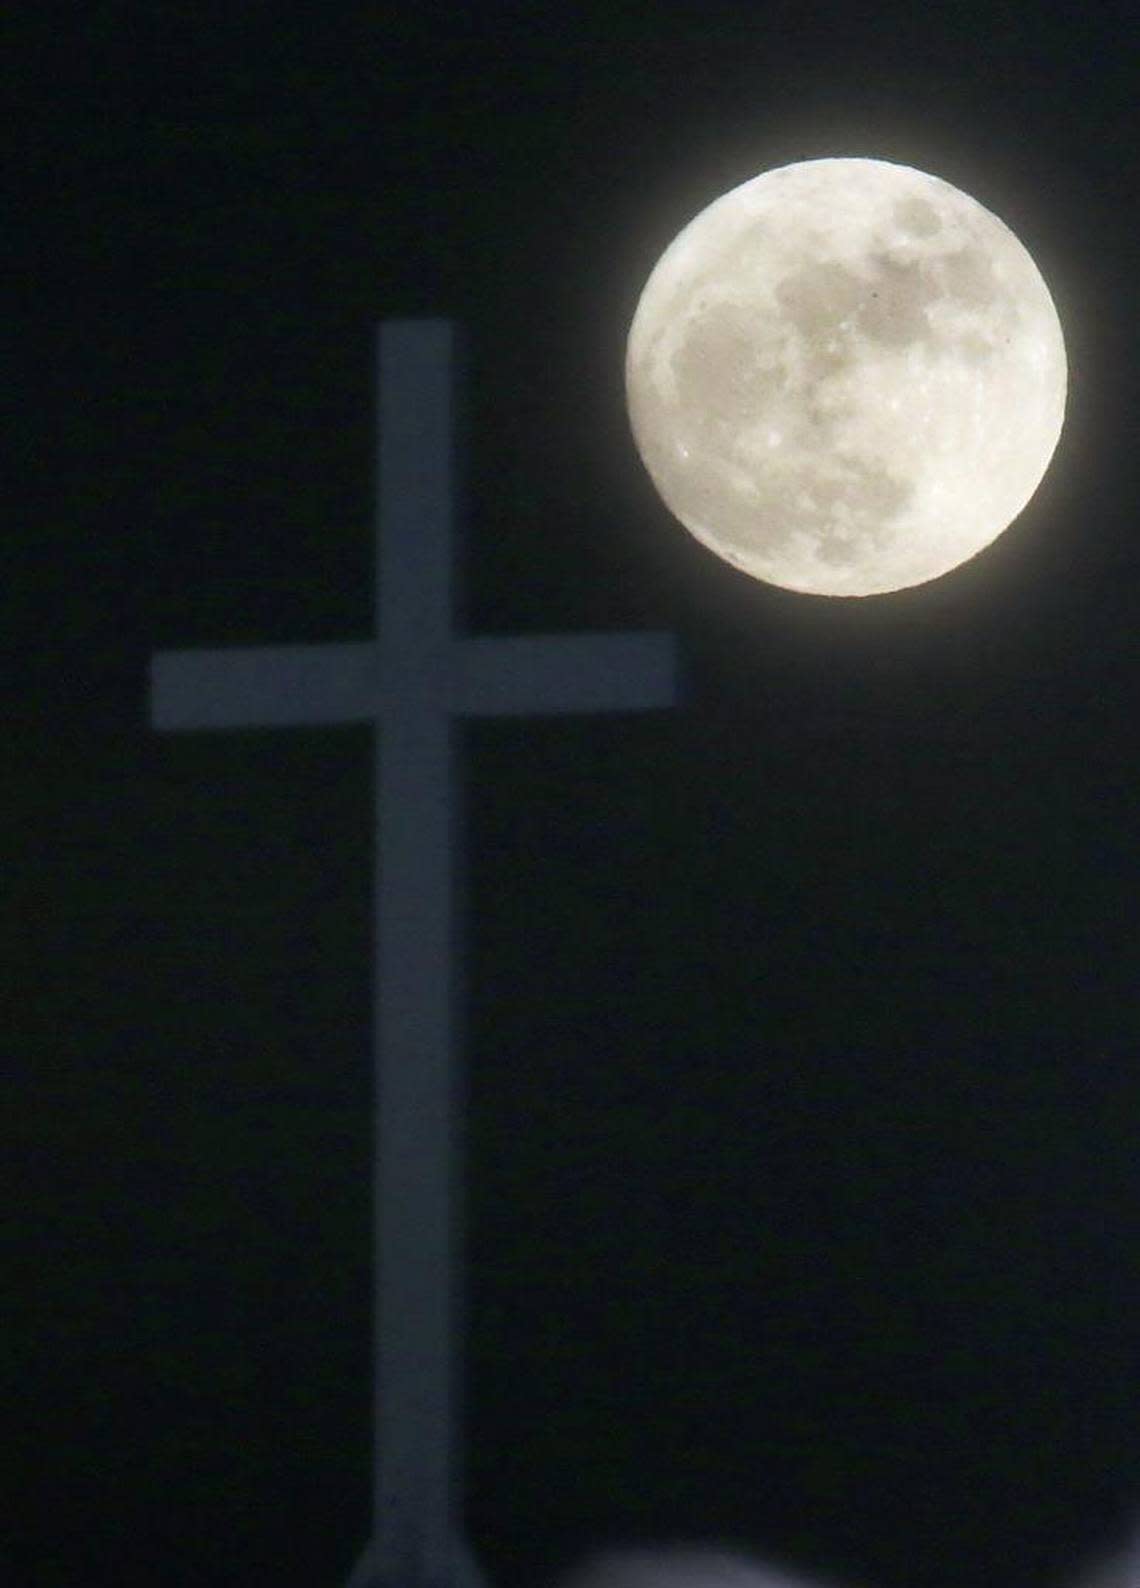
<point>802,1027</point>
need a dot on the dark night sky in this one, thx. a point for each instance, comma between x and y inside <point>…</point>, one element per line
<point>802,1035</point>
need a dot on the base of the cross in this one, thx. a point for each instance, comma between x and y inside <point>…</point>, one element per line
<point>371,1571</point>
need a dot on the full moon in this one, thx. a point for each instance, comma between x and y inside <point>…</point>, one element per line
<point>846,377</point>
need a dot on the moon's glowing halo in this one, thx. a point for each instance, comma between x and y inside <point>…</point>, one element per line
<point>846,377</point>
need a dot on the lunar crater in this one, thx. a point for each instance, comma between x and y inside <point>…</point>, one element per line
<point>916,217</point>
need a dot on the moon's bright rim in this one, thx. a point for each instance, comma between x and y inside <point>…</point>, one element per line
<point>846,377</point>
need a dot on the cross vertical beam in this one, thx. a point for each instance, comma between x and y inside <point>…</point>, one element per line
<point>416,1197</point>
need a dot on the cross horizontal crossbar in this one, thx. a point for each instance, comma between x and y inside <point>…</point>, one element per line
<point>485,675</point>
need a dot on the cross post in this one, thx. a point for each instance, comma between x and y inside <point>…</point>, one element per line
<point>412,683</point>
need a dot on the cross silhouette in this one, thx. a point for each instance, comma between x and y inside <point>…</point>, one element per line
<point>413,682</point>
